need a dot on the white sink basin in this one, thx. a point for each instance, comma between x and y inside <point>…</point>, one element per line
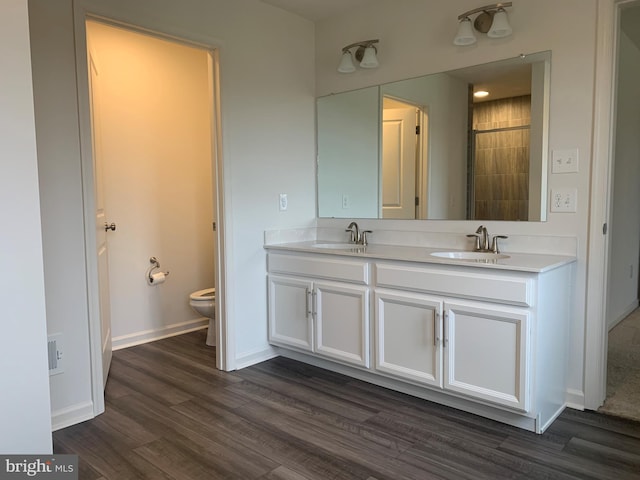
<point>471,256</point>
<point>337,246</point>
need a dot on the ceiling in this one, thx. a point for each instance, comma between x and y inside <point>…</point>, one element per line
<point>316,10</point>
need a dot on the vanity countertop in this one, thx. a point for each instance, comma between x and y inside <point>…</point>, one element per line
<point>524,262</point>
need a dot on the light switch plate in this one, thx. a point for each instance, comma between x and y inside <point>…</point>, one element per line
<point>564,160</point>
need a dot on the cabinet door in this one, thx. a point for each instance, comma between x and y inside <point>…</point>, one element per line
<point>342,322</point>
<point>487,353</point>
<point>290,319</point>
<point>408,336</point>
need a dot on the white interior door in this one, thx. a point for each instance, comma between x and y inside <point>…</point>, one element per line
<point>399,163</point>
<point>103,226</point>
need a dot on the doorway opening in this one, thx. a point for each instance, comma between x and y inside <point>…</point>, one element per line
<point>622,315</point>
<point>152,169</point>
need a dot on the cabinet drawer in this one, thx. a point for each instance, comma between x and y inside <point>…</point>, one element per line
<point>505,287</point>
<point>332,269</point>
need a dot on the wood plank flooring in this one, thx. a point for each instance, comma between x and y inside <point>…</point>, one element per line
<point>171,415</point>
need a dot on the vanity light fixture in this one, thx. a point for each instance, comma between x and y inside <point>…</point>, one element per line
<point>492,20</point>
<point>365,54</point>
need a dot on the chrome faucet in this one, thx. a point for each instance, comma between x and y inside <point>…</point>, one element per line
<point>482,240</point>
<point>357,236</point>
<point>354,231</point>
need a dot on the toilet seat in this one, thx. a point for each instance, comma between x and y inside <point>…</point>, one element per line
<point>208,294</point>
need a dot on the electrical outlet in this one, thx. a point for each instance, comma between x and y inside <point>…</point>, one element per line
<point>346,201</point>
<point>564,200</point>
<point>284,203</point>
<point>565,160</point>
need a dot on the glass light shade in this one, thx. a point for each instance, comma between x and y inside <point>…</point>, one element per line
<point>500,26</point>
<point>346,63</point>
<point>465,34</point>
<point>369,59</point>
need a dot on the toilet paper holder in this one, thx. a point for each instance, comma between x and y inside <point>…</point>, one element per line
<point>155,265</point>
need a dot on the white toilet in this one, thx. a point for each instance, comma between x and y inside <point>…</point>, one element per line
<point>204,302</point>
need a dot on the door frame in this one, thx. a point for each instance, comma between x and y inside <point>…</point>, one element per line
<point>225,350</point>
<point>596,334</point>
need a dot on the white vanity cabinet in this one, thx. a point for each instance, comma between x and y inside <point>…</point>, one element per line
<point>495,336</point>
<point>320,306</point>
<point>487,354</point>
<point>290,314</point>
<point>487,339</point>
<point>408,336</point>
<point>476,349</point>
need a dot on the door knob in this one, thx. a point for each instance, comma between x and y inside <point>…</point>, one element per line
<point>108,227</point>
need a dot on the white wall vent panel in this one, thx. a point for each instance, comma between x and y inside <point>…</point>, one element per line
<point>54,346</point>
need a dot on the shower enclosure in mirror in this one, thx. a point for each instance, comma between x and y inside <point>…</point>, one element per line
<point>427,148</point>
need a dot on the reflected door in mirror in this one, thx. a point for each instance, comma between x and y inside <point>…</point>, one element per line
<point>399,160</point>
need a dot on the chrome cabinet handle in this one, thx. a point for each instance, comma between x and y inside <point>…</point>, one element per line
<point>445,340</point>
<point>314,303</point>
<point>307,302</point>
<point>108,227</point>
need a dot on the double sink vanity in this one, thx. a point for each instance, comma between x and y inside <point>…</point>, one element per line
<point>481,331</point>
<point>469,326</point>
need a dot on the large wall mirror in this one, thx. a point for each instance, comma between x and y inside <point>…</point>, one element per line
<point>434,148</point>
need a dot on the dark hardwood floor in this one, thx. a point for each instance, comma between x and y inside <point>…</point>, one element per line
<point>171,415</point>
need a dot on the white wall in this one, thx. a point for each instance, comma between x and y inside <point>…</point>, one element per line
<point>24,402</point>
<point>268,147</point>
<point>348,161</point>
<point>416,39</point>
<point>157,177</point>
<point>625,221</point>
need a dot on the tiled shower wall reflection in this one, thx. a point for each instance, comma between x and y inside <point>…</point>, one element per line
<point>501,170</point>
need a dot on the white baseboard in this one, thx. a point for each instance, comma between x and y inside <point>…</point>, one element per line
<point>71,415</point>
<point>146,336</point>
<point>630,308</point>
<point>246,360</point>
<point>542,428</point>
<point>575,399</point>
